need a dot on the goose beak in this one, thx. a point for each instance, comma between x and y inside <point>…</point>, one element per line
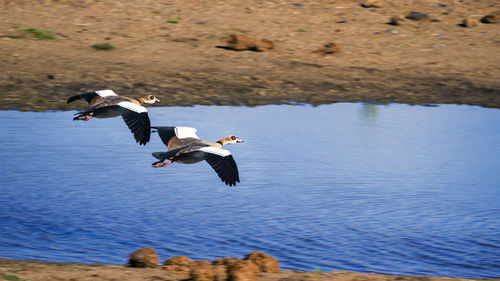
<point>238,140</point>
<point>157,100</point>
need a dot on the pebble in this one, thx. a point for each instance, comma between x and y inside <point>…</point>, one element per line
<point>417,16</point>
<point>491,18</point>
<point>396,20</point>
<point>467,22</point>
<point>372,4</point>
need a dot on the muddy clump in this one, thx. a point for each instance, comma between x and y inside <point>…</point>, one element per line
<point>328,49</point>
<point>240,42</point>
<point>145,257</point>
<point>491,18</point>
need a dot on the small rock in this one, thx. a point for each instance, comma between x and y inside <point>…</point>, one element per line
<point>298,4</point>
<point>390,31</point>
<point>240,42</point>
<point>202,263</point>
<point>418,16</point>
<point>440,5</point>
<point>145,257</point>
<point>467,22</point>
<point>202,273</point>
<point>179,260</point>
<point>225,261</point>
<point>182,272</point>
<point>329,48</point>
<point>372,4</point>
<point>491,18</point>
<point>242,270</point>
<point>220,272</point>
<point>396,20</point>
<point>264,262</point>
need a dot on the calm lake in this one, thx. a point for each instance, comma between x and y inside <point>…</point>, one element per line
<point>393,189</point>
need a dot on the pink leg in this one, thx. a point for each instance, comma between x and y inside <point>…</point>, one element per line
<point>88,117</point>
<point>161,164</point>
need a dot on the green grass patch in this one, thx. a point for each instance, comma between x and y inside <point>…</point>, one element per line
<point>299,30</point>
<point>13,278</point>
<point>103,46</point>
<point>173,20</point>
<point>38,33</point>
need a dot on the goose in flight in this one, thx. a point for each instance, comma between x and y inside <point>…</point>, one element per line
<point>185,147</point>
<point>105,104</point>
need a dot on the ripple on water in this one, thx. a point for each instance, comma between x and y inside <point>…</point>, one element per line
<point>388,189</point>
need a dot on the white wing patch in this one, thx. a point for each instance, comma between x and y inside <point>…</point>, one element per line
<point>132,106</point>
<point>215,150</point>
<point>106,93</point>
<point>185,132</point>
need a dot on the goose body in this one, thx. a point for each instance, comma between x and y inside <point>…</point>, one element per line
<point>107,104</point>
<point>185,147</point>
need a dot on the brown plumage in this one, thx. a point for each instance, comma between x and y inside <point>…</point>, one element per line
<point>106,104</point>
<point>186,148</point>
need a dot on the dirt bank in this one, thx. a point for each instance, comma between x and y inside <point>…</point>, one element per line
<point>176,50</point>
<point>44,271</point>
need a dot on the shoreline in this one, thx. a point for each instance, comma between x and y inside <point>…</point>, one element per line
<point>180,51</point>
<point>13,269</point>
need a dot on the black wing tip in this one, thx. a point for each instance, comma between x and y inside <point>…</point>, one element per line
<point>230,183</point>
<point>139,125</point>
<point>226,169</point>
<point>73,98</point>
<point>142,139</point>
<point>87,96</point>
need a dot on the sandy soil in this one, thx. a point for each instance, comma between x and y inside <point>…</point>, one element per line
<point>184,62</point>
<point>42,271</point>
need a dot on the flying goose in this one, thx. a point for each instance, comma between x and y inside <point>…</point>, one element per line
<point>105,104</point>
<point>185,147</point>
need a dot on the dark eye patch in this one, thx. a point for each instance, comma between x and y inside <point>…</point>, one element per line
<point>233,137</point>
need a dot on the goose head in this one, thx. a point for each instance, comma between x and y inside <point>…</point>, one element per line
<point>150,99</point>
<point>230,140</point>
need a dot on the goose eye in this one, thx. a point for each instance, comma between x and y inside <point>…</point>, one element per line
<point>151,97</point>
<point>233,137</point>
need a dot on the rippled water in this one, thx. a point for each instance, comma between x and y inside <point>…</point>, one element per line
<point>392,189</point>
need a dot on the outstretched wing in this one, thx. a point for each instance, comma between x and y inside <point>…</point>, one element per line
<point>223,163</point>
<point>140,125</point>
<point>166,133</point>
<point>137,119</point>
<point>90,96</point>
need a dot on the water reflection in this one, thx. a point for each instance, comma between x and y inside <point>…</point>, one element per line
<point>369,112</point>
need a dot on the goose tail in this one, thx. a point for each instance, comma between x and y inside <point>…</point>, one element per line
<point>160,155</point>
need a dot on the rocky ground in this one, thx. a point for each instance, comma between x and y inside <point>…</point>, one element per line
<point>447,52</point>
<point>143,265</point>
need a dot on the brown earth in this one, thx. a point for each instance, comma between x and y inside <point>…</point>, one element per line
<point>178,51</point>
<point>49,271</point>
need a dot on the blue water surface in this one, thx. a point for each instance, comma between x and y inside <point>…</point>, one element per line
<point>392,189</point>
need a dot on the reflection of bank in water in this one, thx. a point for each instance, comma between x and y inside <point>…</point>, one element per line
<point>369,112</point>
